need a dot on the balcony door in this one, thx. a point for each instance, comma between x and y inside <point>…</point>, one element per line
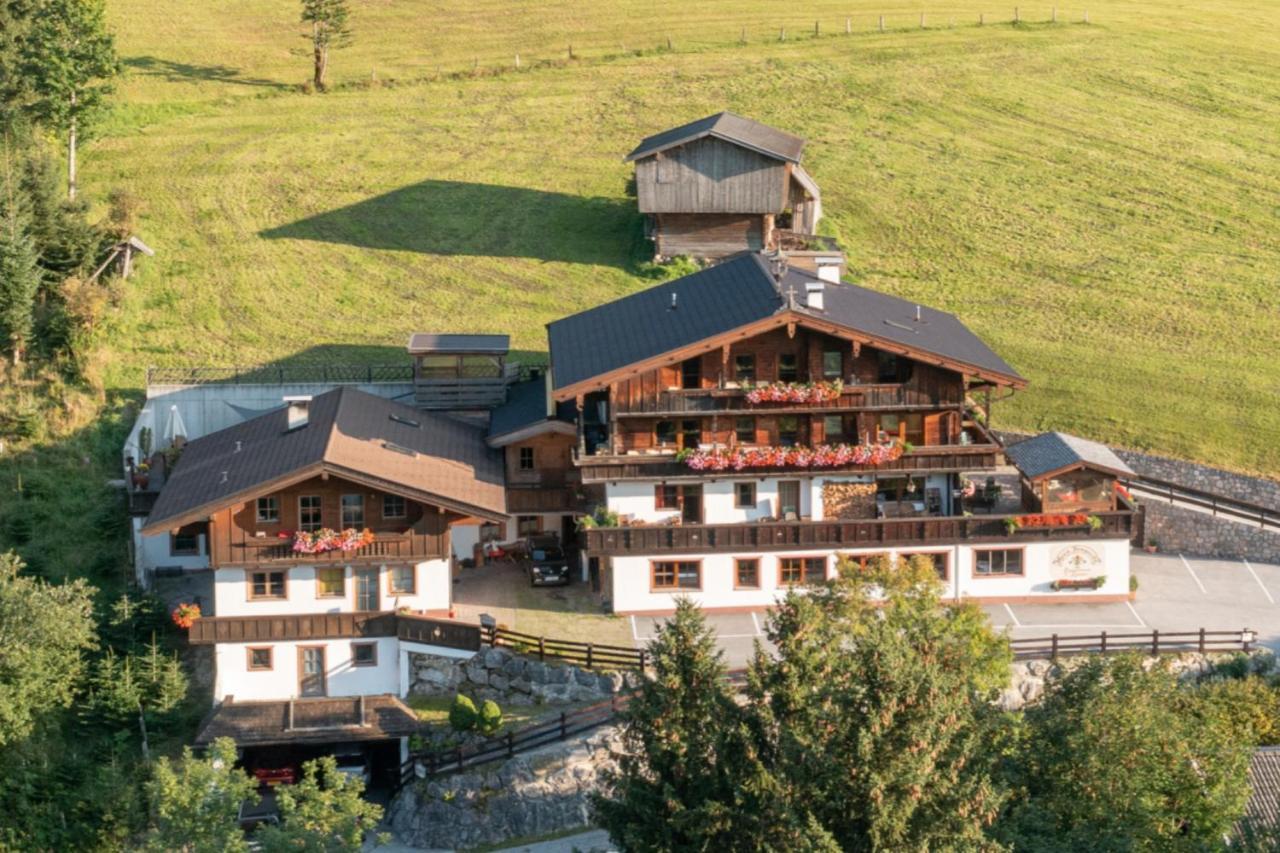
<point>366,589</point>
<point>789,499</point>
<point>311,671</point>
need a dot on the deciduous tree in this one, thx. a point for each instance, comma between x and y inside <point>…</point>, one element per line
<point>1122,757</point>
<point>323,813</point>
<point>195,802</point>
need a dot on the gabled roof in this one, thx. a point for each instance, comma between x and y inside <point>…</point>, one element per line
<point>729,127</point>
<point>525,413</point>
<point>1055,451</point>
<point>318,720</point>
<point>352,434</point>
<point>743,291</point>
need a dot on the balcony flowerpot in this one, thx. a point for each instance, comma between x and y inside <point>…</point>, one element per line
<point>185,615</point>
<point>1078,583</point>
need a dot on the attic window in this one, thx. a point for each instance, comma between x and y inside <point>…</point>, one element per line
<point>406,421</point>
<point>391,445</point>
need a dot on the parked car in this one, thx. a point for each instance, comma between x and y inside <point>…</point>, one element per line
<point>254,814</point>
<point>353,761</point>
<point>548,564</point>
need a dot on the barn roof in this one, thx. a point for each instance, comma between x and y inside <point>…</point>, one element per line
<point>352,434</point>
<point>738,292</point>
<point>1055,451</point>
<point>730,127</point>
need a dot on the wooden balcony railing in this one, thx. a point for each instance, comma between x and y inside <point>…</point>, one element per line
<point>792,535</point>
<point>732,401</point>
<point>330,626</point>
<point>951,457</point>
<point>386,546</point>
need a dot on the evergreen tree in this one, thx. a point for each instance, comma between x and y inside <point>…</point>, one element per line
<point>69,58</point>
<point>687,776</point>
<point>1119,757</point>
<point>20,279</point>
<point>195,802</point>
<point>876,710</point>
<point>45,631</point>
<point>324,813</point>
<point>139,684</point>
<point>329,29</point>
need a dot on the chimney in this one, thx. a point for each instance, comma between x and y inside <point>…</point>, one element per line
<point>813,293</point>
<point>299,410</point>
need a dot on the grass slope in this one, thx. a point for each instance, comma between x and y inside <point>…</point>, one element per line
<point>1098,202</point>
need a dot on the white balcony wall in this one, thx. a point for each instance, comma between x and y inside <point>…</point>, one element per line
<point>231,591</point>
<point>342,676</point>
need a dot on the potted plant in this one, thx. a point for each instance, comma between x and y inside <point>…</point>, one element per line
<point>184,615</point>
<point>1095,523</point>
<point>1133,587</point>
<point>142,476</point>
<point>1011,525</point>
<point>1152,546</point>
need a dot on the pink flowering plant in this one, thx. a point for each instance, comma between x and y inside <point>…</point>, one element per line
<point>327,539</point>
<point>795,392</point>
<point>822,456</point>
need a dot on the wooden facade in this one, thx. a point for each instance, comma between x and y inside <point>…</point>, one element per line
<point>788,535</point>
<point>237,536</point>
<point>541,476</point>
<point>710,198</point>
<point>327,626</point>
<point>702,401</point>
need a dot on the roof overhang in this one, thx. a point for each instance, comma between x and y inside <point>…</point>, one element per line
<point>547,427</point>
<point>784,318</point>
<point>685,140</point>
<point>1076,466</point>
<point>294,721</point>
<point>203,511</point>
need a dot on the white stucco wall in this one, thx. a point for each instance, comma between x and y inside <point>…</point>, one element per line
<point>234,678</point>
<point>151,552</point>
<point>1043,562</point>
<point>231,592</point>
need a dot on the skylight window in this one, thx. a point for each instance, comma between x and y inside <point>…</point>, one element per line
<point>406,421</point>
<point>399,448</point>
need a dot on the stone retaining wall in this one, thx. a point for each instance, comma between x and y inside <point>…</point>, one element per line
<point>511,679</point>
<point>543,791</point>
<point>1185,531</point>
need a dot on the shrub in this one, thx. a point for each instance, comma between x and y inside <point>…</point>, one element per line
<point>1250,703</point>
<point>1133,583</point>
<point>490,717</point>
<point>462,716</point>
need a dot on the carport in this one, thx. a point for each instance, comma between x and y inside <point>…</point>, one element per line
<point>281,736</point>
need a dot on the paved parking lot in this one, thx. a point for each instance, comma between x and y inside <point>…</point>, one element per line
<point>1175,593</point>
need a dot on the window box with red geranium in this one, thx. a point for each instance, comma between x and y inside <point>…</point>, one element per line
<point>185,615</point>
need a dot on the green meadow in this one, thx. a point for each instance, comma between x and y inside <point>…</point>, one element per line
<point>1100,202</point>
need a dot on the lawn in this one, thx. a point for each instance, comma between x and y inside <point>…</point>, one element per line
<point>1097,201</point>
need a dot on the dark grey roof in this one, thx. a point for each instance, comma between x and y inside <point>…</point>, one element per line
<point>347,430</point>
<point>526,405</point>
<point>1262,813</point>
<point>1052,451</point>
<point>420,342</point>
<point>642,325</point>
<point>734,293</point>
<point>730,127</point>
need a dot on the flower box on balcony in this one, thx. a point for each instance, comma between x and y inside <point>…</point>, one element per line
<point>822,456</point>
<point>1078,583</point>
<point>795,392</point>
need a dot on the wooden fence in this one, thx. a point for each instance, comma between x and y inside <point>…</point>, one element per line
<point>589,655</point>
<point>1152,643</point>
<point>428,763</point>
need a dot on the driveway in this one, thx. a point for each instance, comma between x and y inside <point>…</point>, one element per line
<point>1175,593</point>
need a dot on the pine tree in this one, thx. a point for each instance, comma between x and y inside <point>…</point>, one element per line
<point>687,776</point>
<point>142,684</point>
<point>329,29</point>
<point>20,279</point>
<point>875,710</point>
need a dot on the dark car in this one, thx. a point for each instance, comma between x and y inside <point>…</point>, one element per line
<point>548,564</point>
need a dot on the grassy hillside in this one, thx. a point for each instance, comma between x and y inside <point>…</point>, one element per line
<point>1099,202</point>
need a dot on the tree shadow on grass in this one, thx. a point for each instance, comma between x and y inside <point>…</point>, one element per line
<point>460,218</point>
<point>172,72</point>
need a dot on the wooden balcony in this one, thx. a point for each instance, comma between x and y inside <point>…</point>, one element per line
<point>733,401</point>
<point>394,547</point>
<point>921,460</point>
<point>870,533</point>
<point>331,626</point>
